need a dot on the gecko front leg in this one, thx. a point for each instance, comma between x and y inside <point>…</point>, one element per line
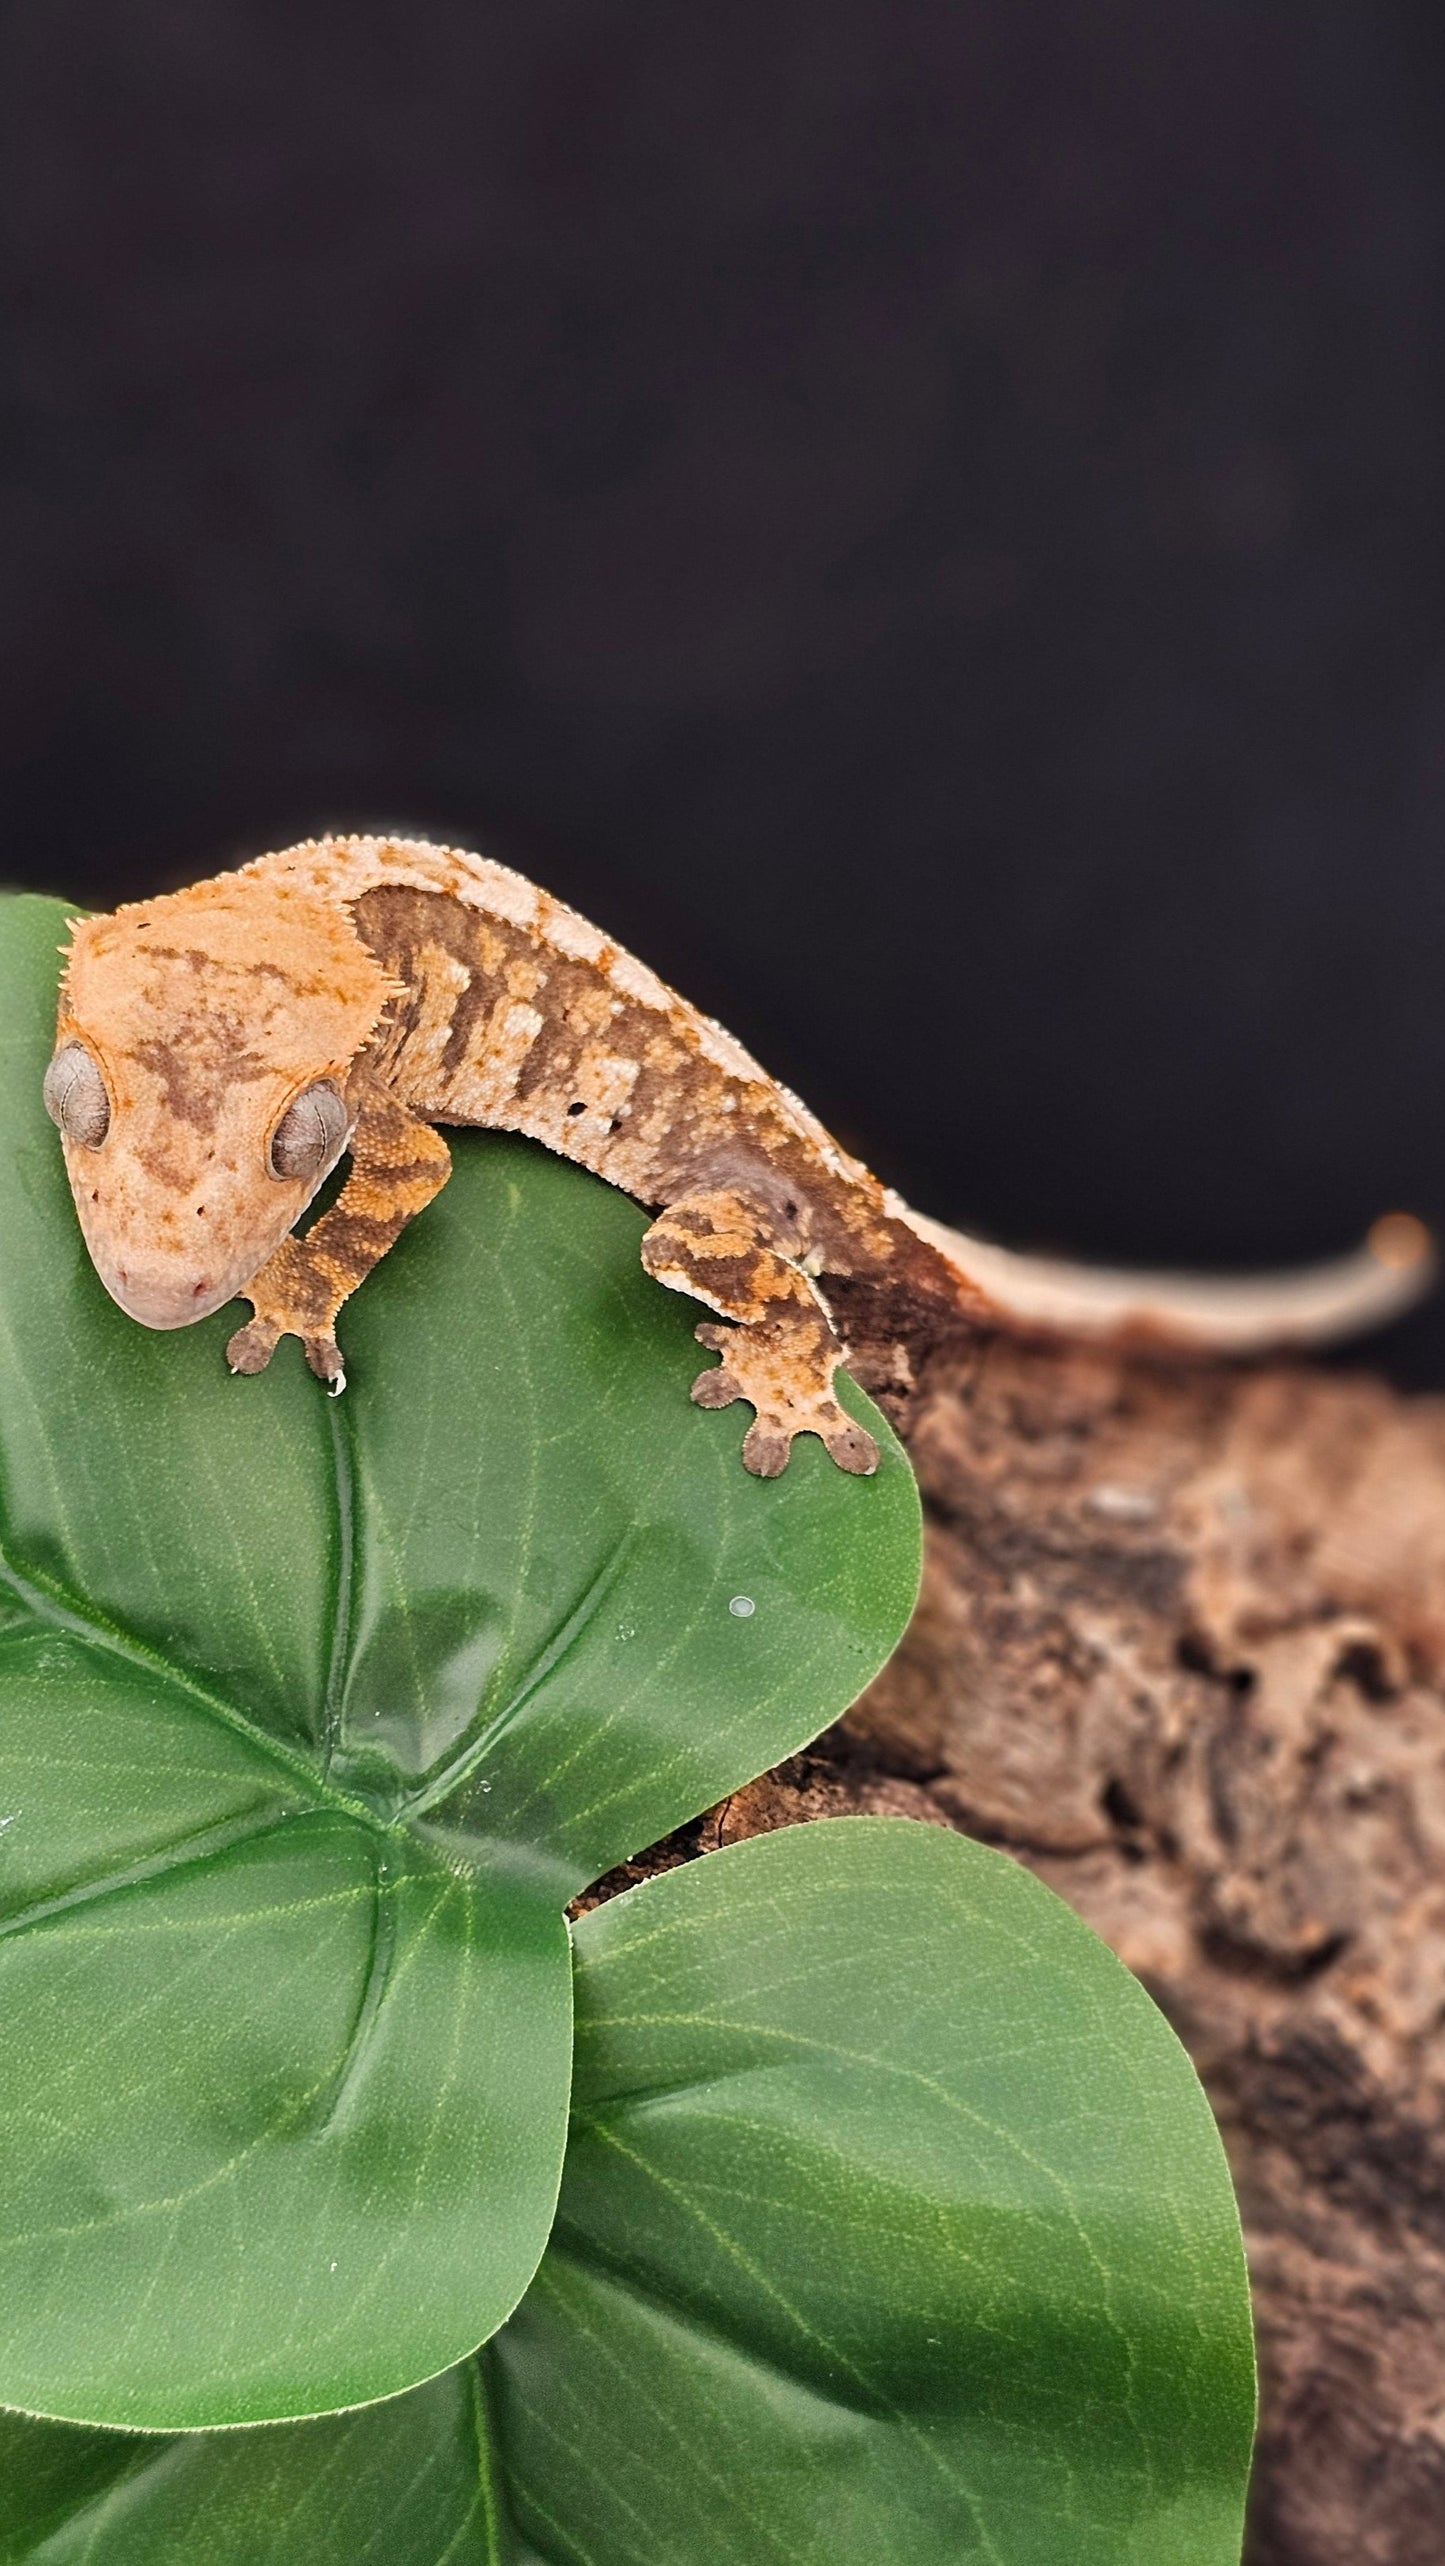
<point>398,1164</point>
<point>781,1352</point>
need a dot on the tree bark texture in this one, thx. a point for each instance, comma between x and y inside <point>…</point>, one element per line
<point>1181,1649</point>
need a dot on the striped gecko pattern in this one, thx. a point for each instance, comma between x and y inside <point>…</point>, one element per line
<point>221,1048</point>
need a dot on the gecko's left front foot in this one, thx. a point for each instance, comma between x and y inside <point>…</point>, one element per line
<point>252,1347</point>
<point>791,1391</point>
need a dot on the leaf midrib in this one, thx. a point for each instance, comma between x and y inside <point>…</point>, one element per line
<point>54,1610</point>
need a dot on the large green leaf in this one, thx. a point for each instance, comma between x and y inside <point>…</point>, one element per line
<point>312,1716</point>
<point>894,2227</point>
<point>410,2482</point>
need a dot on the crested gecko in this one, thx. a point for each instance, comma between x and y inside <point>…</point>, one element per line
<point>220,1048</point>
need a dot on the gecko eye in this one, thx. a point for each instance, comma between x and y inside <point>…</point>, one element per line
<point>309,1133</point>
<point>75,1096</point>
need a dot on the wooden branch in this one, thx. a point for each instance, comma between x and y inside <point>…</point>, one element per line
<point>1182,1650</point>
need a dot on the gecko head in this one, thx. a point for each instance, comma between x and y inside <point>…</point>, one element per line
<point>199,1083</point>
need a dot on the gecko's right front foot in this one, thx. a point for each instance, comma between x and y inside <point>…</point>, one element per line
<point>252,1347</point>
<point>779,1372</point>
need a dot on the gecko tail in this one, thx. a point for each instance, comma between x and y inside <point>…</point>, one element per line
<point>1227,1314</point>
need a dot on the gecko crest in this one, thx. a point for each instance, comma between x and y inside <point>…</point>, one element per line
<point>220,1049</point>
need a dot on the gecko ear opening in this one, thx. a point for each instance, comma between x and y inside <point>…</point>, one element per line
<point>310,1133</point>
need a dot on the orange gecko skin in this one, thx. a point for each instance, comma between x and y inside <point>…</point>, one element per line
<point>219,1050</point>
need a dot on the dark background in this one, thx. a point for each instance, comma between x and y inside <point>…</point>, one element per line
<point>926,520</point>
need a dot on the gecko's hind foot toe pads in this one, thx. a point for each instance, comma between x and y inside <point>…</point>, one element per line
<point>716,1389</point>
<point>767,1450</point>
<point>788,1398</point>
<point>852,1447</point>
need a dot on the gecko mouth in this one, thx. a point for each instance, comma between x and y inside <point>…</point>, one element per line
<point>166,1300</point>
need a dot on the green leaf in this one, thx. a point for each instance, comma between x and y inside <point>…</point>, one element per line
<point>894,2226</point>
<point>407,2483</point>
<point>312,1716</point>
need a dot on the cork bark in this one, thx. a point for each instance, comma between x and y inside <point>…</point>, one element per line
<point>1181,1649</point>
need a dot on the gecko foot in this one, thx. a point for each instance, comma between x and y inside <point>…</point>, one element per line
<point>779,1377</point>
<point>252,1347</point>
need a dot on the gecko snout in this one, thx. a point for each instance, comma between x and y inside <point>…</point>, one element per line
<point>175,1237</point>
<point>157,1272</point>
<point>159,1296</point>
<point>199,1288</point>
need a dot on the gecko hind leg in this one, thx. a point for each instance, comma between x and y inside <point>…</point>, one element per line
<point>781,1352</point>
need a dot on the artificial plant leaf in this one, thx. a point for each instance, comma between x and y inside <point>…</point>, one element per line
<point>312,1715</point>
<point>894,2227</point>
<point>406,2483</point>
<point>301,2132</point>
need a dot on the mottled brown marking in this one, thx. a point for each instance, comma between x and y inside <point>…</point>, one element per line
<point>433,986</point>
<point>195,1068</point>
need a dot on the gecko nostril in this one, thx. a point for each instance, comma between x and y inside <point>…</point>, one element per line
<point>197,1289</point>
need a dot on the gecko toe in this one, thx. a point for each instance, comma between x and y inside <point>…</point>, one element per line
<point>853,1448</point>
<point>251,1348</point>
<point>716,1389</point>
<point>765,1450</point>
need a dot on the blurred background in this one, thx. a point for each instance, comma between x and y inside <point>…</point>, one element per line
<point>926,520</point>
